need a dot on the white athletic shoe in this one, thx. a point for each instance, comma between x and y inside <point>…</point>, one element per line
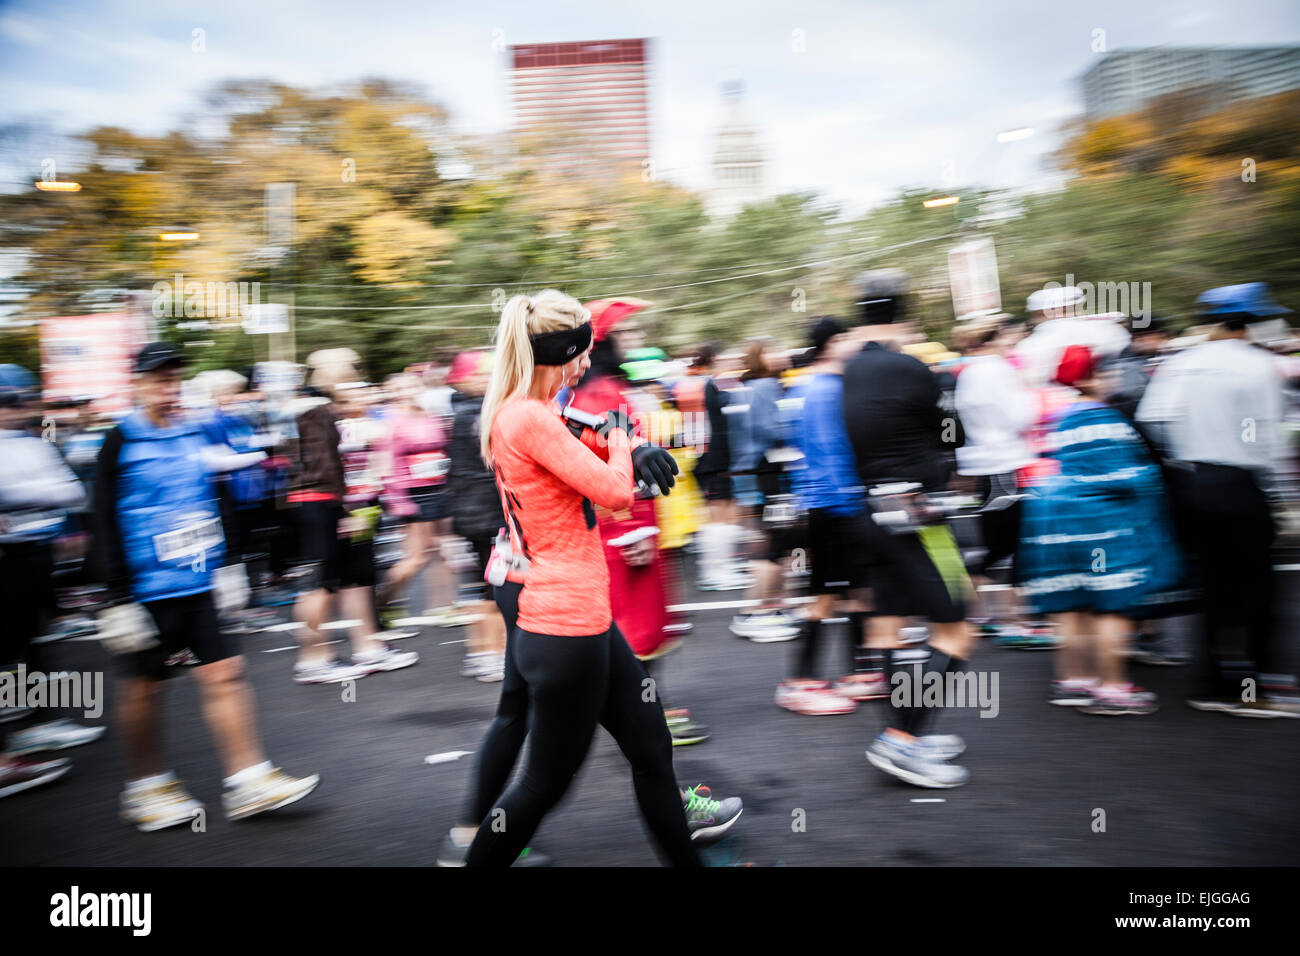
<point>765,627</point>
<point>53,735</point>
<point>914,764</point>
<point>385,659</point>
<point>330,672</point>
<point>158,807</point>
<point>812,698</point>
<point>492,670</point>
<point>270,791</point>
<point>941,746</point>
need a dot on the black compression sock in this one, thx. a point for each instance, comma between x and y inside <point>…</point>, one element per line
<point>901,675</point>
<point>857,634</point>
<point>940,664</point>
<point>805,654</point>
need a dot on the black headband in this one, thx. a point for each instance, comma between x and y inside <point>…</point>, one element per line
<point>557,348</point>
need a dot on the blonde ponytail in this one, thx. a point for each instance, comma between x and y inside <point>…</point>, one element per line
<point>512,372</point>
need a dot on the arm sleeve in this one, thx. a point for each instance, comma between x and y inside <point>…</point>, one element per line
<point>36,476</point>
<point>109,558</point>
<point>544,438</point>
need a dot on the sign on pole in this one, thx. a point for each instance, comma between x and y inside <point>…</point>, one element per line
<point>269,318</point>
<point>973,274</point>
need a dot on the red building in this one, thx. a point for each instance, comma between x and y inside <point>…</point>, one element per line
<point>583,105</point>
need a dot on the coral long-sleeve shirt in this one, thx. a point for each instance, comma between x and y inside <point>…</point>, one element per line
<point>547,473</point>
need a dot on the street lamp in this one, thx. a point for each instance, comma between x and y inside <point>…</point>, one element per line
<point>55,186</point>
<point>1011,135</point>
<point>941,201</point>
<point>178,236</point>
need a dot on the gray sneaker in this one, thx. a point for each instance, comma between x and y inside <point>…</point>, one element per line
<point>914,764</point>
<point>709,819</point>
<point>942,746</point>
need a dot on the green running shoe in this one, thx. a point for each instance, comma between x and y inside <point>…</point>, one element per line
<point>684,730</point>
<point>709,819</point>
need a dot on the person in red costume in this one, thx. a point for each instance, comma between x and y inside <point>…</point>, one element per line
<point>637,579</point>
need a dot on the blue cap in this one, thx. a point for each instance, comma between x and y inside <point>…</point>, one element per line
<point>1250,298</point>
<point>17,385</point>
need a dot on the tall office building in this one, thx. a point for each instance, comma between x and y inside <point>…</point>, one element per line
<point>1120,82</point>
<point>737,159</point>
<point>583,107</point>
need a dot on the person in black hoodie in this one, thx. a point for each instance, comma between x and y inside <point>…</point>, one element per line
<point>895,421</point>
<point>476,513</point>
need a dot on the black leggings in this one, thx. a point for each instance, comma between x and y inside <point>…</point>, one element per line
<point>575,683</point>
<point>505,736</point>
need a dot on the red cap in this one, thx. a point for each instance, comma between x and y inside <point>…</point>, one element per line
<point>606,314</point>
<point>462,367</point>
<point>1076,365</point>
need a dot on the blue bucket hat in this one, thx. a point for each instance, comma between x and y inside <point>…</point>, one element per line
<point>1248,298</point>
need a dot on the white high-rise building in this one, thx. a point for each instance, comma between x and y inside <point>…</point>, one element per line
<point>1120,82</point>
<point>737,159</point>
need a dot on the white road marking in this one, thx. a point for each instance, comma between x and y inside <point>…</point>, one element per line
<point>463,640</point>
<point>720,605</point>
<point>339,625</point>
<point>292,647</point>
<point>447,757</point>
<point>929,800</point>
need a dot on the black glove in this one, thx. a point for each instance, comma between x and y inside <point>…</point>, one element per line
<point>654,466</point>
<point>616,418</point>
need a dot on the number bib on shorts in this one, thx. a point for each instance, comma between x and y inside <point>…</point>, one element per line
<point>196,534</point>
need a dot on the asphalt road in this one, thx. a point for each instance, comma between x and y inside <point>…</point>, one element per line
<point>1177,788</point>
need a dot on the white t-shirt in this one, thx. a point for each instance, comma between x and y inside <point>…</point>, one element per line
<point>1221,403</point>
<point>995,412</point>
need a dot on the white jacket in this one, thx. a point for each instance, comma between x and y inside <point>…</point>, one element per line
<point>995,411</point>
<point>36,488</point>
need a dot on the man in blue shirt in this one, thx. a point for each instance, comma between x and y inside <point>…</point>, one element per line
<point>829,488</point>
<point>158,542</point>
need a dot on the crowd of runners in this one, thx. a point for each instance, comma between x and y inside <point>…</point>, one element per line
<point>1078,483</point>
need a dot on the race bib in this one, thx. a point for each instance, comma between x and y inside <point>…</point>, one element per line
<point>430,466</point>
<point>188,540</point>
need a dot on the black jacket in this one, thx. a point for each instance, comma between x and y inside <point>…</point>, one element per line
<point>475,503</point>
<point>894,418</point>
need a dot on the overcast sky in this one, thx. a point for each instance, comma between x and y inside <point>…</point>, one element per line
<point>883,95</point>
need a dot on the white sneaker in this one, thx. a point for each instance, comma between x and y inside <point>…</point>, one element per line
<point>941,746</point>
<point>53,735</point>
<point>158,807</point>
<point>492,669</point>
<point>914,765</point>
<point>385,659</point>
<point>270,791</point>
<point>330,672</point>
<point>21,774</point>
<point>765,627</point>
<point>812,698</point>
<point>727,582</point>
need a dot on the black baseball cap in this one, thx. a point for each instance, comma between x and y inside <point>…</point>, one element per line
<point>156,355</point>
<point>823,330</point>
